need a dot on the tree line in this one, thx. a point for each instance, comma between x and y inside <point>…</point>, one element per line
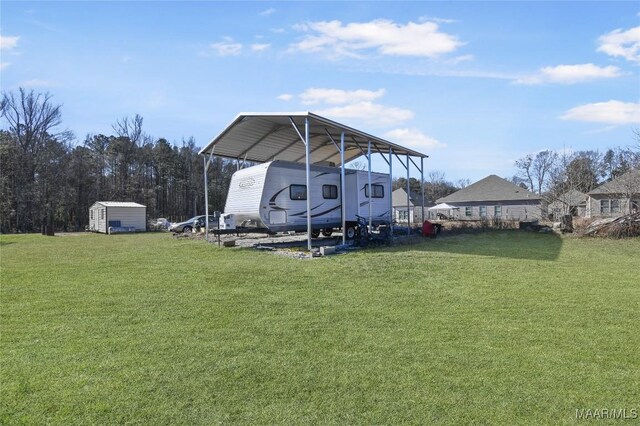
<point>553,174</point>
<point>47,180</point>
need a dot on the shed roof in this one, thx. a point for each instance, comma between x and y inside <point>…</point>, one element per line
<point>491,188</point>
<point>262,136</point>
<point>118,204</point>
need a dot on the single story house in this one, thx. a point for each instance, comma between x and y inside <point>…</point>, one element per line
<point>117,216</point>
<point>615,198</point>
<point>414,203</point>
<point>495,198</point>
<point>572,202</point>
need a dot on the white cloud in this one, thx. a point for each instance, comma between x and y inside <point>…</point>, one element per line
<point>268,12</point>
<point>336,96</point>
<point>383,36</point>
<point>37,82</point>
<point>4,65</point>
<point>285,97</point>
<point>370,113</point>
<point>570,74</point>
<point>438,20</point>
<point>611,112</point>
<point>228,47</point>
<point>8,42</point>
<point>413,138</point>
<point>621,43</point>
<point>259,47</point>
<point>277,30</point>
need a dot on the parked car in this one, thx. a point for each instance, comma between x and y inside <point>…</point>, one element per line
<point>162,223</point>
<point>193,223</point>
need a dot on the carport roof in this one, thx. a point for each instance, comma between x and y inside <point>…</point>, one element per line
<point>261,136</point>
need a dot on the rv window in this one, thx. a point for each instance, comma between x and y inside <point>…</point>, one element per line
<point>329,192</point>
<point>298,192</point>
<point>378,191</point>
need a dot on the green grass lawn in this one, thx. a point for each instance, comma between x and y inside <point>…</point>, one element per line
<point>505,327</point>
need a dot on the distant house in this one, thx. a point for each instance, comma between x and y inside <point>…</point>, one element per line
<point>616,197</point>
<point>572,202</point>
<point>494,198</point>
<point>414,205</point>
<point>117,215</point>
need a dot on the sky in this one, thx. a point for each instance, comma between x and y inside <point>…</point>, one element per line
<point>474,85</point>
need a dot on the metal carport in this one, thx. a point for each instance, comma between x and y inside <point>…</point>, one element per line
<point>307,138</point>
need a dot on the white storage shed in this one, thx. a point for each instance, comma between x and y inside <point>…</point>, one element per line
<point>116,216</point>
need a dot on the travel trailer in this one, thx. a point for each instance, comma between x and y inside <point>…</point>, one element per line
<point>273,197</point>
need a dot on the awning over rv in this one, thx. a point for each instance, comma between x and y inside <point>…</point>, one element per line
<point>261,137</point>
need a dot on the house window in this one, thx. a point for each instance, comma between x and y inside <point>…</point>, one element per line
<point>102,214</point>
<point>497,211</point>
<point>329,192</point>
<point>483,211</point>
<point>615,206</point>
<point>604,206</point>
<point>298,192</point>
<point>91,214</point>
<point>467,211</point>
<point>378,191</point>
<point>635,206</point>
<point>403,215</point>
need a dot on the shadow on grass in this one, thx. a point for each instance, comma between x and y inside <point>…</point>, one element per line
<point>6,243</point>
<point>507,244</point>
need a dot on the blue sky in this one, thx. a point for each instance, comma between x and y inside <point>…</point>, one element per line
<point>475,85</point>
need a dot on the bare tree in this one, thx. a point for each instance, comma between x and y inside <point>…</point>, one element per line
<point>524,170</point>
<point>130,128</point>
<point>31,118</point>
<point>541,167</point>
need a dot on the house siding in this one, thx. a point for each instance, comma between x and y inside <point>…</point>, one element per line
<point>594,203</point>
<point>511,210</point>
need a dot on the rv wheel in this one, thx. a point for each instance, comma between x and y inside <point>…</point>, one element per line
<point>315,233</point>
<point>327,232</point>
<point>350,232</point>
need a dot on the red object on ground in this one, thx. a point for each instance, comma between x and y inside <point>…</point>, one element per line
<point>428,230</point>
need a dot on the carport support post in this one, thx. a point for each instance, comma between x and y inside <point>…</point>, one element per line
<point>422,184</point>
<point>206,200</point>
<point>342,192</point>
<point>408,199</point>
<point>308,169</point>
<point>370,188</point>
<point>390,191</point>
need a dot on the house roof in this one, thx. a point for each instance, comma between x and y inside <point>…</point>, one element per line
<point>399,198</point>
<point>118,204</point>
<point>624,184</point>
<point>262,136</point>
<point>572,197</point>
<point>491,188</point>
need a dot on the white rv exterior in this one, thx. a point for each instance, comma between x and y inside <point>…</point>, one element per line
<point>273,196</point>
<point>128,215</point>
